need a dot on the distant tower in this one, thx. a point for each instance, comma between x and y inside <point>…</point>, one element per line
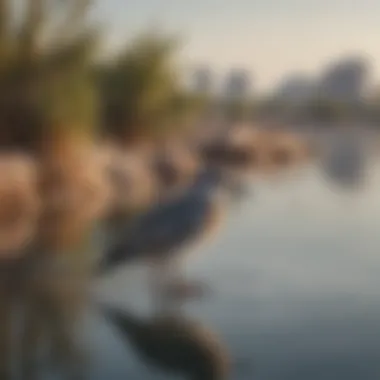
<point>296,89</point>
<point>235,95</point>
<point>345,80</point>
<point>237,84</point>
<point>202,80</point>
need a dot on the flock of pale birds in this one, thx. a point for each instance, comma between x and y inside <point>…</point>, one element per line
<point>154,201</point>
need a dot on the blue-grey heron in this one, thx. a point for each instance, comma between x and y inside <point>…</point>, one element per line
<point>173,344</point>
<point>160,235</point>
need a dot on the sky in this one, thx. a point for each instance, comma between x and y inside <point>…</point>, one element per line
<point>270,38</point>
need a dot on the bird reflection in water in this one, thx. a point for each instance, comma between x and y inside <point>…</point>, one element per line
<point>173,344</point>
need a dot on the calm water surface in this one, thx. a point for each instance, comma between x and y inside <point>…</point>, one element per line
<point>296,286</point>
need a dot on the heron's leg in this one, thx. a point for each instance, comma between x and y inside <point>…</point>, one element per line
<point>165,282</point>
<point>157,274</point>
<point>178,287</point>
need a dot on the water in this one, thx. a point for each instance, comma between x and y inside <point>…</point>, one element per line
<point>295,275</point>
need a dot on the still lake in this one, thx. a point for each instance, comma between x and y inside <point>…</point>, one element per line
<point>295,274</point>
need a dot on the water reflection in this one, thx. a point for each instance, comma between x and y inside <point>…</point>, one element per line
<point>39,309</point>
<point>345,163</point>
<point>45,287</point>
<point>6,298</point>
<point>173,344</point>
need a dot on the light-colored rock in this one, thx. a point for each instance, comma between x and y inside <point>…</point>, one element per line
<point>132,181</point>
<point>284,150</point>
<point>174,165</point>
<point>19,202</point>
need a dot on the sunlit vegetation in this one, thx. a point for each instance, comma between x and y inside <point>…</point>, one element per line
<point>46,49</point>
<point>141,92</point>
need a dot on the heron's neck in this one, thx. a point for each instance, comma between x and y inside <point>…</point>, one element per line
<point>205,191</point>
<point>206,184</point>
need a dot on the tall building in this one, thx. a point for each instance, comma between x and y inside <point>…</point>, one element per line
<point>237,84</point>
<point>202,80</point>
<point>345,80</point>
<point>296,89</point>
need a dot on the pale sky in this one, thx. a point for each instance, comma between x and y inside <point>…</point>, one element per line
<point>271,38</point>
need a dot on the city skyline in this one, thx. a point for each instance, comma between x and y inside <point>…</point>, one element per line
<point>348,78</point>
<point>266,37</point>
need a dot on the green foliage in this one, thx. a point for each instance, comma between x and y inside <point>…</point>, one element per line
<point>3,32</point>
<point>45,61</point>
<point>69,97</point>
<point>187,107</point>
<point>140,88</point>
<point>47,81</point>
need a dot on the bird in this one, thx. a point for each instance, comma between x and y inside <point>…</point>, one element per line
<point>161,235</point>
<point>173,343</point>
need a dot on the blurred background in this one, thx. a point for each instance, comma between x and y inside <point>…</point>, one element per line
<point>189,190</point>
